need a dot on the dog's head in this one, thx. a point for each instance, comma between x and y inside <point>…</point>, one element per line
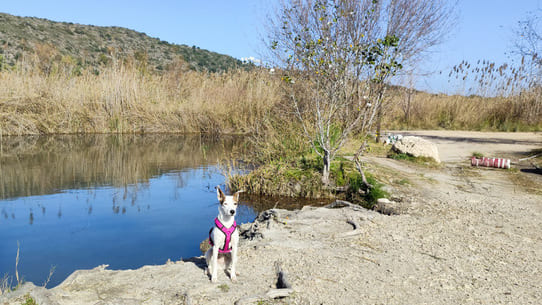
<point>228,204</point>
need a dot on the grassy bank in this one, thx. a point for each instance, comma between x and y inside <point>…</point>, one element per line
<point>299,175</point>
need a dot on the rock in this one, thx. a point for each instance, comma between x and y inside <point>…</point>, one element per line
<point>386,207</point>
<point>417,147</point>
<point>383,201</point>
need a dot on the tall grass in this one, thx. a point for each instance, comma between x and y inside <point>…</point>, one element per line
<point>125,98</point>
<point>40,96</point>
<point>437,111</point>
<point>6,282</point>
<point>495,97</point>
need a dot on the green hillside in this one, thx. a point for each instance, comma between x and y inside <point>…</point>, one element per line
<point>95,45</point>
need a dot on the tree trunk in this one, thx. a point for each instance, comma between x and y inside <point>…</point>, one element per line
<point>327,167</point>
<point>409,93</point>
<point>379,124</point>
<point>407,114</point>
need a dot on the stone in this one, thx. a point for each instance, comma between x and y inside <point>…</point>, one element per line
<point>417,147</point>
<point>383,201</point>
<point>386,207</point>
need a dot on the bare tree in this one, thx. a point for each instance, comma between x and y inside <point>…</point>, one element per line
<point>419,25</point>
<point>331,61</point>
<point>338,55</point>
<point>407,93</point>
<point>528,42</point>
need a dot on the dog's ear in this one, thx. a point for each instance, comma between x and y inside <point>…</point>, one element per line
<point>220,195</point>
<point>236,195</point>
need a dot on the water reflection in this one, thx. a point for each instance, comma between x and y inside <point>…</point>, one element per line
<point>38,165</point>
<point>76,202</point>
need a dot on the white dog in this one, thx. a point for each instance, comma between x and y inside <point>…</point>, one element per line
<point>223,237</point>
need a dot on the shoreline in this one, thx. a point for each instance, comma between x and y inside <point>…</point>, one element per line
<point>452,243</point>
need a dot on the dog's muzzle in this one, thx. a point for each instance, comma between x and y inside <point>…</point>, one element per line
<point>232,212</point>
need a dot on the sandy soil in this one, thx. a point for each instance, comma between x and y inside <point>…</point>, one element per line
<point>463,236</point>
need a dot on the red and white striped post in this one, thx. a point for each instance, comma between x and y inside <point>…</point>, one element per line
<point>490,162</point>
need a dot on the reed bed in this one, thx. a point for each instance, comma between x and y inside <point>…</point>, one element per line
<point>522,112</point>
<point>124,98</point>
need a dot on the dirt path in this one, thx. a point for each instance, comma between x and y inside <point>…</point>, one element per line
<point>464,236</point>
<point>455,146</point>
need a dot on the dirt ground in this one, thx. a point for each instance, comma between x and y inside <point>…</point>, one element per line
<point>455,146</point>
<point>463,236</point>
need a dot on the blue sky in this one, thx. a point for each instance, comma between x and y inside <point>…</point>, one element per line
<point>233,27</point>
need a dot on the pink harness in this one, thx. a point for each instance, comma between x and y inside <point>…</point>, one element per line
<point>227,231</point>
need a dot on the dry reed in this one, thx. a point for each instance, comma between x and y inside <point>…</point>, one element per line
<point>124,98</point>
<point>520,112</point>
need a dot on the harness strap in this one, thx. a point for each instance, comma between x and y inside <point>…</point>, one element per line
<point>227,232</point>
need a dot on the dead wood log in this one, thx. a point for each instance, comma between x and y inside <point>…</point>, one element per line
<point>531,157</point>
<point>342,204</point>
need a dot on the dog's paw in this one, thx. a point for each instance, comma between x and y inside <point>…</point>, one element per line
<point>233,278</point>
<point>213,280</point>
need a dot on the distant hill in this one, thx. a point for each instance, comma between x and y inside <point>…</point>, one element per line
<point>95,45</point>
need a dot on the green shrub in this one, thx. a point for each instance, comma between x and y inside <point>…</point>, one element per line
<point>418,160</point>
<point>29,300</point>
<point>368,197</point>
<point>477,154</point>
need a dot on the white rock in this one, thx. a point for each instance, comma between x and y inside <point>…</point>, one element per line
<point>383,201</point>
<point>417,147</point>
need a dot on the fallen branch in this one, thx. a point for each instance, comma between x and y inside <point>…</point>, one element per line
<point>342,204</point>
<point>369,260</point>
<point>531,157</point>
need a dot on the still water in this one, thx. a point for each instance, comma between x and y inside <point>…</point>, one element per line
<point>77,202</point>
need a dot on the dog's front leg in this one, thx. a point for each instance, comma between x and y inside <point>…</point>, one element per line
<point>214,264</point>
<point>233,274</point>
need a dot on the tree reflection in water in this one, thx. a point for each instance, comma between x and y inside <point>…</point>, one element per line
<point>77,202</point>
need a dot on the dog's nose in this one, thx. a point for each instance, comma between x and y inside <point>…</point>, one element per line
<point>232,212</point>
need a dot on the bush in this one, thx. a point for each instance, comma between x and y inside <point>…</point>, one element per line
<point>418,160</point>
<point>366,197</point>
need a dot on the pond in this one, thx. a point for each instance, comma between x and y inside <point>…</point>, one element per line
<point>77,202</point>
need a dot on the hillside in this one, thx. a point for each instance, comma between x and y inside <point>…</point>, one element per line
<point>95,45</point>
